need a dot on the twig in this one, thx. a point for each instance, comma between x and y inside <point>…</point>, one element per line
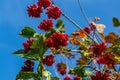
<point>86,18</point>
<point>83,12</point>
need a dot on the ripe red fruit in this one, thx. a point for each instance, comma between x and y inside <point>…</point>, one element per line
<point>56,40</point>
<point>100,76</point>
<point>44,3</point>
<point>46,25</point>
<point>34,11</point>
<point>49,60</point>
<point>98,48</point>
<point>62,71</point>
<point>76,78</point>
<point>87,29</point>
<point>53,12</point>
<point>67,78</point>
<point>106,59</point>
<point>28,66</point>
<point>27,45</point>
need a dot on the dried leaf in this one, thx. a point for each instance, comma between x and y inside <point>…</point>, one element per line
<point>82,61</point>
<point>100,27</point>
<point>74,40</point>
<point>80,33</point>
<point>111,37</point>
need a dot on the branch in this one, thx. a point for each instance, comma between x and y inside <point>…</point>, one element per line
<point>83,12</point>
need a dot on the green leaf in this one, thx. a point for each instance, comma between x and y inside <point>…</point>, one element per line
<point>30,55</point>
<point>116,22</point>
<point>19,53</point>
<point>54,78</point>
<point>79,71</point>
<point>27,32</point>
<point>59,23</point>
<point>37,49</point>
<point>27,75</point>
<point>39,45</point>
<point>60,26</point>
<point>39,69</point>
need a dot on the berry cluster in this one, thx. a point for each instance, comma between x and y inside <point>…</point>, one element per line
<point>44,3</point>
<point>34,11</point>
<point>28,66</point>
<point>106,59</point>
<point>46,25</point>
<point>61,67</point>
<point>48,60</point>
<point>67,78</point>
<point>62,71</point>
<point>98,48</point>
<point>100,76</point>
<point>75,78</point>
<point>87,30</point>
<point>52,11</point>
<point>56,40</point>
<point>27,45</point>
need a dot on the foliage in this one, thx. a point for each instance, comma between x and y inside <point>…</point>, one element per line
<point>27,32</point>
<point>99,54</point>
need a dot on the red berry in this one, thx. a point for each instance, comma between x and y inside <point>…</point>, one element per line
<point>76,78</point>
<point>54,12</point>
<point>92,25</point>
<point>28,66</point>
<point>44,3</point>
<point>67,78</point>
<point>98,48</point>
<point>106,59</point>
<point>62,71</point>
<point>34,11</point>
<point>56,40</point>
<point>49,60</point>
<point>87,29</point>
<point>27,44</point>
<point>100,76</point>
<point>46,25</point>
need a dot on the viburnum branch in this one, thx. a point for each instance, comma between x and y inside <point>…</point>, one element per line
<point>74,23</point>
<point>71,21</point>
<point>77,26</point>
<point>87,20</point>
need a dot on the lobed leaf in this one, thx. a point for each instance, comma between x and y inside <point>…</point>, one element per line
<point>28,32</point>
<point>116,22</point>
<point>27,75</point>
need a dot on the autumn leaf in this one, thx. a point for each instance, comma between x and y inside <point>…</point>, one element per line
<point>111,37</point>
<point>76,41</point>
<point>82,61</point>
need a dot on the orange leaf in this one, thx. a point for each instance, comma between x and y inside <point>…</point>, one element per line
<point>111,37</point>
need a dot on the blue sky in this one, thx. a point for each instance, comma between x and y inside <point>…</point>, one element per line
<point>13,17</point>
